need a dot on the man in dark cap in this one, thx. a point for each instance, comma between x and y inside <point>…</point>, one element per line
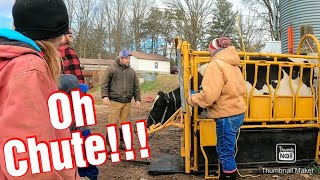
<point>119,86</point>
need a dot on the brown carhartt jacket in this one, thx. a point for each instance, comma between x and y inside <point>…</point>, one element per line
<point>223,86</point>
<point>120,84</point>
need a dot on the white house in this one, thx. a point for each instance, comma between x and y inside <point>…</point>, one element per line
<point>272,47</point>
<point>145,62</point>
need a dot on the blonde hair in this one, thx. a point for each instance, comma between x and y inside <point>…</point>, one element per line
<point>52,58</point>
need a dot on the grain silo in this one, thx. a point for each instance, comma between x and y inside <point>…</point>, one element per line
<point>297,13</point>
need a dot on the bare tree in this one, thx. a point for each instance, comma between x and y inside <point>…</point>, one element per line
<point>168,33</point>
<point>265,11</point>
<point>117,25</point>
<point>95,42</point>
<point>249,32</point>
<point>109,16</point>
<point>83,17</point>
<point>191,16</point>
<point>139,9</point>
<point>71,5</point>
<point>88,22</point>
<point>106,27</point>
<point>152,29</point>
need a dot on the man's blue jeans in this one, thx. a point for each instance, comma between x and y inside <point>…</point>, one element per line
<point>227,129</point>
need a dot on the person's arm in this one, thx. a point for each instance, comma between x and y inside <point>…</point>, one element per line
<point>136,89</point>
<point>71,64</point>
<point>25,113</point>
<point>212,85</point>
<point>105,87</point>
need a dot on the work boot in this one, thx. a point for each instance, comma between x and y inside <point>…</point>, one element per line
<point>231,176</point>
<point>225,176</point>
<point>222,176</point>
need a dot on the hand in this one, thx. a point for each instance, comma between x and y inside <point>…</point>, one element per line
<point>138,104</point>
<point>106,101</point>
<point>188,100</point>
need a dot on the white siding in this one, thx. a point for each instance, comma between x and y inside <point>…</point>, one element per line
<point>145,65</point>
<point>134,63</point>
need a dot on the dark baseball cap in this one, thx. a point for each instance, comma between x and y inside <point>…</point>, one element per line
<point>124,54</point>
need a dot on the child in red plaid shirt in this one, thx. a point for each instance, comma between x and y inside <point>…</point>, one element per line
<point>71,62</point>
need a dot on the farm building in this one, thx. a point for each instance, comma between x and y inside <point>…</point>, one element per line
<point>145,62</point>
<point>93,64</point>
<point>91,70</point>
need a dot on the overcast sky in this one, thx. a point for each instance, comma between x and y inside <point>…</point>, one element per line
<point>236,4</point>
<point>6,7</point>
<point>5,13</point>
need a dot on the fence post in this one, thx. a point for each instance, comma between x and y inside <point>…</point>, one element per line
<point>99,65</point>
<point>99,58</point>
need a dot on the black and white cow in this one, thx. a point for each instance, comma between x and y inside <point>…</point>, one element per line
<point>284,88</point>
<point>166,104</point>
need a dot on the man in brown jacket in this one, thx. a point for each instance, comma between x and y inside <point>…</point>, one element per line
<point>120,85</point>
<point>223,95</point>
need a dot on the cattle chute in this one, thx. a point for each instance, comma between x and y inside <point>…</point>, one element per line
<point>272,118</point>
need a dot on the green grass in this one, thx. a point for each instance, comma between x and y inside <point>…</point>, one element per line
<point>165,83</point>
<point>315,167</point>
<point>148,86</point>
<point>95,89</point>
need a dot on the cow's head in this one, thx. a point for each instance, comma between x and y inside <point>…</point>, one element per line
<point>165,105</point>
<point>162,109</point>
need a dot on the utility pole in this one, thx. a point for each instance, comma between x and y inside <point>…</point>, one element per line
<point>231,22</point>
<point>276,20</point>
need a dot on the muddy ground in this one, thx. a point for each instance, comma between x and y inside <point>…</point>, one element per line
<point>162,142</point>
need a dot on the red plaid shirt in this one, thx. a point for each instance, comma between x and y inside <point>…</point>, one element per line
<point>71,62</point>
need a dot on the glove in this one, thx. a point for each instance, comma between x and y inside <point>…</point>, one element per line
<point>83,88</point>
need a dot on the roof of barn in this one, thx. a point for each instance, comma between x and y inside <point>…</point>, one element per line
<point>148,56</point>
<point>105,62</point>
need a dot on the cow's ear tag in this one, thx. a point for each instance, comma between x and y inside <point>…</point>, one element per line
<point>167,99</point>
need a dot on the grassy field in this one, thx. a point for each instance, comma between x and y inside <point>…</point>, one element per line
<point>165,83</point>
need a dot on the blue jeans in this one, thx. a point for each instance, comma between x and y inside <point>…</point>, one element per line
<point>227,129</point>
